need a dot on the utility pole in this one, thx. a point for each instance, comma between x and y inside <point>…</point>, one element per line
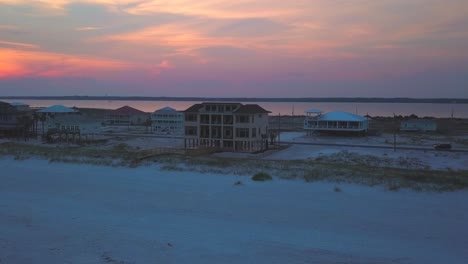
<point>394,132</point>
<point>292,118</point>
<point>279,127</point>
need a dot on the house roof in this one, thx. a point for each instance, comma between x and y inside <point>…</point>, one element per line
<point>166,109</point>
<point>251,109</point>
<point>7,108</point>
<point>193,109</point>
<point>127,110</point>
<point>341,116</point>
<point>221,102</point>
<point>242,109</point>
<point>18,104</point>
<point>57,109</point>
<point>313,111</point>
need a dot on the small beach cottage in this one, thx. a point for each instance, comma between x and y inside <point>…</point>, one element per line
<point>337,121</point>
<point>126,116</point>
<point>418,125</point>
<point>226,126</point>
<point>168,121</point>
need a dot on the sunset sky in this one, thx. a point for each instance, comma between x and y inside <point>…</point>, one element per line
<point>248,48</point>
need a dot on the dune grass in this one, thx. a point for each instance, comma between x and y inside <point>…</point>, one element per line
<point>393,179</point>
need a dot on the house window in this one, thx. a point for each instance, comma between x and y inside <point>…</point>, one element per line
<point>254,132</point>
<point>204,119</point>
<point>242,132</point>
<point>227,120</point>
<point>191,117</point>
<point>204,131</point>
<point>216,132</point>
<point>191,131</point>
<point>211,108</point>
<point>216,119</point>
<point>242,119</point>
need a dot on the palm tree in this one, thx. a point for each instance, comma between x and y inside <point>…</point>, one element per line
<point>43,118</point>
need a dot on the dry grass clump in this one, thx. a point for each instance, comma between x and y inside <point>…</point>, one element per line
<point>262,176</point>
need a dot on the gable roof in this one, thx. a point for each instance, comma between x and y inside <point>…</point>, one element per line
<point>251,109</point>
<point>341,116</point>
<point>7,108</point>
<point>57,109</point>
<point>166,109</point>
<point>127,110</point>
<point>193,109</point>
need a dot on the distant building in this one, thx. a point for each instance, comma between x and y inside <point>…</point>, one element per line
<point>57,110</point>
<point>20,106</point>
<point>168,121</point>
<point>335,122</point>
<point>15,121</point>
<point>73,124</point>
<point>49,117</point>
<point>418,125</point>
<point>227,126</point>
<point>126,116</point>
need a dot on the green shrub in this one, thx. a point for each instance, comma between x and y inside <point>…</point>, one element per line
<point>262,176</point>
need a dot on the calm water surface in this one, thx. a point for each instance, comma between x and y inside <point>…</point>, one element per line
<point>283,108</point>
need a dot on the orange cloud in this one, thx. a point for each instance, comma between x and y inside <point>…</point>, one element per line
<point>385,29</point>
<point>165,64</point>
<point>17,63</point>
<point>27,64</point>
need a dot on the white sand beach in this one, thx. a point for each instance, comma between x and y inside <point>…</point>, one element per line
<point>75,213</point>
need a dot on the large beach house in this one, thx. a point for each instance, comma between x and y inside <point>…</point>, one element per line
<point>226,125</point>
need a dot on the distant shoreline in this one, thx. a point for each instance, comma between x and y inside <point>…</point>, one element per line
<point>248,99</point>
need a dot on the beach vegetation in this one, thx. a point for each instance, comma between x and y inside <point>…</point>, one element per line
<point>262,176</point>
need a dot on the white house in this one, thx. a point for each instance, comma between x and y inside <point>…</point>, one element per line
<point>418,125</point>
<point>73,124</point>
<point>62,119</point>
<point>55,112</point>
<point>335,121</point>
<point>168,121</point>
